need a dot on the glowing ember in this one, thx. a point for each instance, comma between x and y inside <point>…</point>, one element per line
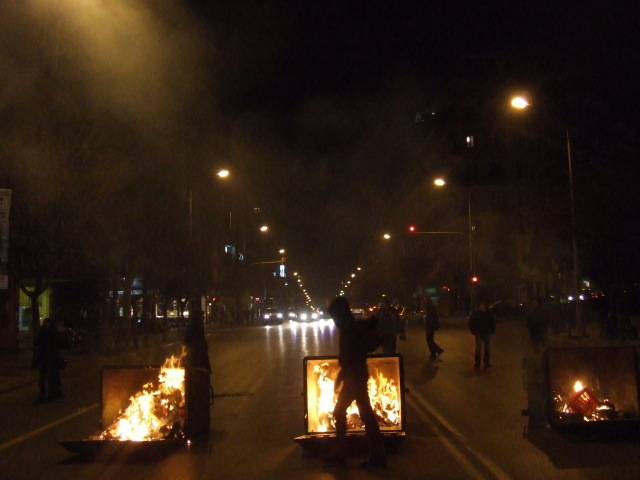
<point>155,412</point>
<point>384,395</point>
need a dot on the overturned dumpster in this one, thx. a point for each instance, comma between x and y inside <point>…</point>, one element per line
<point>386,392</point>
<point>593,390</point>
<point>146,412</point>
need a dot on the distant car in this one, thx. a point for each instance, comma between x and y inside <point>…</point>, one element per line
<point>358,312</point>
<point>506,308</point>
<point>307,315</point>
<point>272,316</point>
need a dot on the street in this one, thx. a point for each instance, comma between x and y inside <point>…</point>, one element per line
<point>461,422</point>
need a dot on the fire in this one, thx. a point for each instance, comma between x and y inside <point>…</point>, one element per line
<point>384,395</point>
<point>584,402</point>
<point>155,412</point>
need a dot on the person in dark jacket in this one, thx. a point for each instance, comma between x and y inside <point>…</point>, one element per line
<point>352,385</point>
<point>48,358</point>
<point>538,325</point>
<point>482,325</point>
<point>390,326</point>
<point>198,370</point>
<point>432,323</point>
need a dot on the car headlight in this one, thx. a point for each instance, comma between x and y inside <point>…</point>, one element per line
<point>279,315</point>
<point>266,316</point>
<point>314,316</point>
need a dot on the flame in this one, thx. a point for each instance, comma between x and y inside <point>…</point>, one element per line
<point>604,410</point>
<point>384,395</point>
<point>154,413</point>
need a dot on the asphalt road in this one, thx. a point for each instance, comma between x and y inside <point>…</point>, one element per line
<point>460,422</point>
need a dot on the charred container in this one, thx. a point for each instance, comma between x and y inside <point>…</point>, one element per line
<point>386,393</point>
<point>181,413</point>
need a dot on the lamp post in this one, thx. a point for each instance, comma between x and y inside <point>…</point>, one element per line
<point>441,182</point>
<point>521,103</point>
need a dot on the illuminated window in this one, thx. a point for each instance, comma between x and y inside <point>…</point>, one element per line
<point>469,141</point>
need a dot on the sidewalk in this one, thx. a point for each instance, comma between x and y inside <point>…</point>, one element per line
<point>15,367</point>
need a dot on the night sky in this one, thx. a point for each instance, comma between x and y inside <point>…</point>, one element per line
<point>325,91</point>
<point>313,102</point>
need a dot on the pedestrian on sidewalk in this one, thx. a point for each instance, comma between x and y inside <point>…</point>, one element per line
<point>48,360</point>
<point>482,326</point>
<point>351,385</point>
<point>432,324</point>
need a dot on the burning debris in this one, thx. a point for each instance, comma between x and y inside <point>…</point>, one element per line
<point>384,393</point>
<point>584,404</point>
<point>156,412</point>
<point>591,390</point>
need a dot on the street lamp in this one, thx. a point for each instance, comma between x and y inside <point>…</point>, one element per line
<point>521,103</point>
<point>441,182</point>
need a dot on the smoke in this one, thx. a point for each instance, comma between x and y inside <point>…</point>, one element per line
<point>134,60</point>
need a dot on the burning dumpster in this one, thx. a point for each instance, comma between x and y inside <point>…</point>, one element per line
<point>144,412</point>
<point>593,390</point>
<point>386,392</point>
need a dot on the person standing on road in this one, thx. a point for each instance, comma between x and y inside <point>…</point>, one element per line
<point>432,323</point>
<point>538,326</point>
<point>389,327</point>
<point>482,325</point>
<point>198,370</point>
<point>352,385</point>
<point>47,345</point>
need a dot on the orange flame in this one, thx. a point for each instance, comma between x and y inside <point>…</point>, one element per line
<point>153,413</point>
<point>384,395</point>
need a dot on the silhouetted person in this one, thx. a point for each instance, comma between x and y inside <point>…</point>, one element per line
<point>352,385</point>
<point>48,359</point>
<point>389,327</point>
<point>432,323</point>
<point>538,325</point>
<point>482,325</point>
<point>198,371</point>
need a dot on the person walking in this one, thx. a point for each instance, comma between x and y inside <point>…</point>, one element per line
<point>351,385</point>
<point>432,323</point>
<point>48,359</point>
<point>482,325</point>
<point>389,327</point>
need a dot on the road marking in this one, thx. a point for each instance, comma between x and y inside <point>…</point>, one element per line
<point>38,431</point>
<point>497,472</point>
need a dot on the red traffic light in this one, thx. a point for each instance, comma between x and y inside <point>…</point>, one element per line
<point>474,279</point>
<point>412,228</point>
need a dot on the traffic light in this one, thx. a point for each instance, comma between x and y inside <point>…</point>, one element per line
<point>412,229</point>
<point>474,279</point>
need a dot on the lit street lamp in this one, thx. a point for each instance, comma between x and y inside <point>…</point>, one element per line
<point>441,182</point>
<point>521,103</point>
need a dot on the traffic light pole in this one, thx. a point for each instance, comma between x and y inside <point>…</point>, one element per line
<point>471,279</point>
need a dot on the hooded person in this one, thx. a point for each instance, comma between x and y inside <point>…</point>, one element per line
<point>351,385</point>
